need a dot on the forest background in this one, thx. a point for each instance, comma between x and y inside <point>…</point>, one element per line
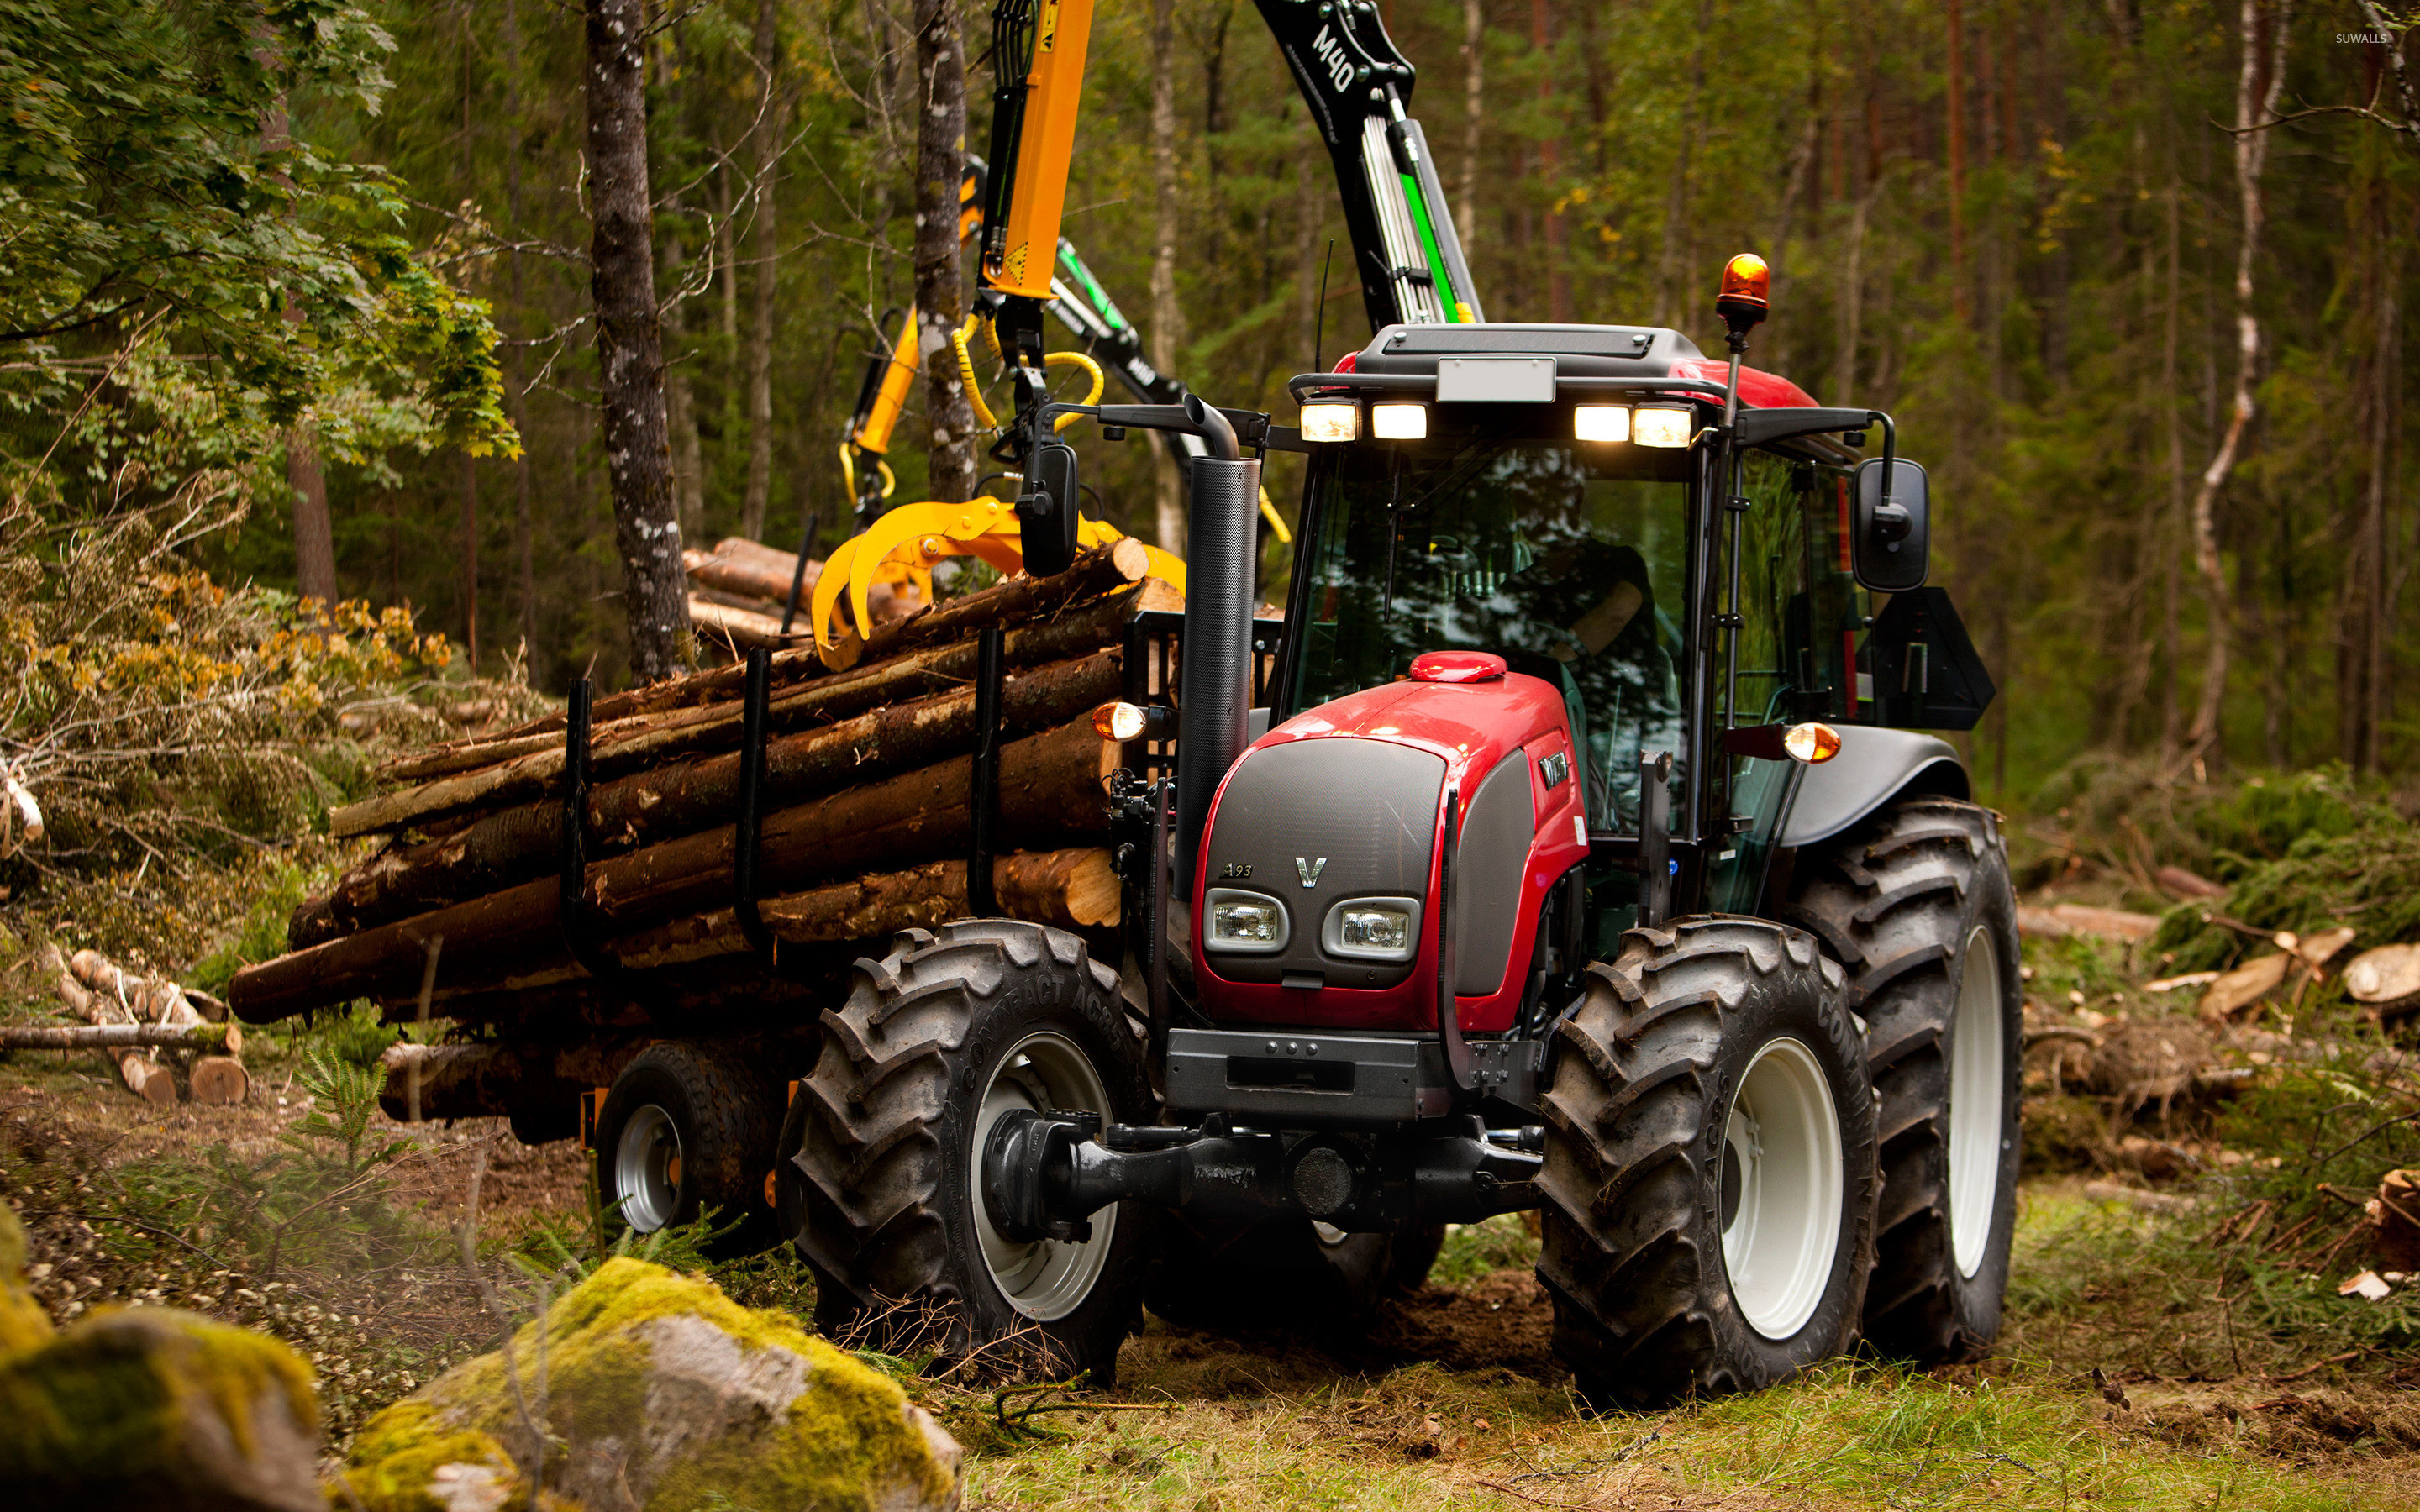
<point>2016,226</point>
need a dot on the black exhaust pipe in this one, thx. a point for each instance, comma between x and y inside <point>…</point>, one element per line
<point>1214,676</point>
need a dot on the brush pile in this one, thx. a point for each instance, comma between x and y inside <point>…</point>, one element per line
<point>739,594</point>
<point>477,901</point>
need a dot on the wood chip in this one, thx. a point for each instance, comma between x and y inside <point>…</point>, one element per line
<point>2319,946</point>
<point>2178,882</point>
<point>2191,979</point>
<point>2369,1287</point>
<point>2245,985</point>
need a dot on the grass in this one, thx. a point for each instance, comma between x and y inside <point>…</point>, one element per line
<point>1849,1435</point>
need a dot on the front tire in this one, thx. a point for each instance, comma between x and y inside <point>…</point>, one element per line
<point>1709,1176</point>
<point>881,1193</point>
<point>1916,905</point>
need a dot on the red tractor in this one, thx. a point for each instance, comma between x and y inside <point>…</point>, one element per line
<point>1569,846</point>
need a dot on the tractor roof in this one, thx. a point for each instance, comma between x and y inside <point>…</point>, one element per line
<point>1583,352</point>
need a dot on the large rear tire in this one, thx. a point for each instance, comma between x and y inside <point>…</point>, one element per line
<point>1917,906</point>
<point>1709,1176</point>
<point>880,1192</point>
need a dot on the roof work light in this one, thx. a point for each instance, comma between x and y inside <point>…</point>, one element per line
<point>1400,421</point>
<point>1329,421</point>
<point>1600,423</point>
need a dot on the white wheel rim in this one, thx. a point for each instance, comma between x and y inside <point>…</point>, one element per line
<point>1048,1278</point>
<point>1978,1063</point>
<point>1780,1193</point>
<point>646,1169</point>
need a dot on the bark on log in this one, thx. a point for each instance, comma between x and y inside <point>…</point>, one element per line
<point>1100,570</point>
<point>503,849</point>
<point>627,744</point>
<point>210,1037</point>
<point>1074,888</point>
<point>1051,785</point>
<point>96,991</point>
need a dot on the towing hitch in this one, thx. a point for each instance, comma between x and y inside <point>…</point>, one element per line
<point>1044,1175</point>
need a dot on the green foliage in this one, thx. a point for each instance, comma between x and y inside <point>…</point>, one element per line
<point>1471,1251</point>
<point>344,1092</point>
<point>261,935</point>
<point>575,1247</point>
<point>2247,1277</point>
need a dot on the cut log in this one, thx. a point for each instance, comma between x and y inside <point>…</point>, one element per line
<point>218,1081</point>
<point>2386,975</point>
<point>746,628</point>
<point>1052,785</point>
<point>1103,569</point>
<point>633,744</point>
<point>1074,888</point>
<point>502,849</point>
<point>143,1076</point>
<point>470,1081</point>
<point>215,1038</point>
<point>746,573</point>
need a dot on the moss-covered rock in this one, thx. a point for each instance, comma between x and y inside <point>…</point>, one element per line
<point>160,1410</point>
<point>658,1393</point>
<point>24,1324</point>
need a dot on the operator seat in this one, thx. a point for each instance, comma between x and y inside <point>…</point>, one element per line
<point>1591,621</point>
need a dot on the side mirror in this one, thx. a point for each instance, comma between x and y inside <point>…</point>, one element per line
<point>1888,544</point>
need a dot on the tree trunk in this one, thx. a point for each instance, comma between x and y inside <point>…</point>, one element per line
<point>471,563</point>
<point>940,298</point>
<point>1167,316</point>
<point>1550,161</point>
<point>315,536</point>
<point>1474,66</point>
<point>629,342</point>
<point>680,407</point>
<point>1052,787</point>
<point>769,249</point>
<point>2257,87</point>
<point>516,357</point>
<point>1955,14</point>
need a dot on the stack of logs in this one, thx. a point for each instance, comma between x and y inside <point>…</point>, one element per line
<point>864,799</point>
<point>130,1020</point>
<point>739,594</point>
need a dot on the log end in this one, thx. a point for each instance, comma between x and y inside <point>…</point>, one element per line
<point>1129,556</point>
<point>150,1080</point>
<point>219,1081</point>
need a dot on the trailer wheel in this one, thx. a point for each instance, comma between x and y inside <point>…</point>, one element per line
<point>1709,1177</point>
<point>881,1190</point>
<point>1916,905</point>
<point>1287,1272</point>
<point>689,1126</point>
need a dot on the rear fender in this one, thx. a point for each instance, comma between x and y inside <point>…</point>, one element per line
<point>1875,766</point>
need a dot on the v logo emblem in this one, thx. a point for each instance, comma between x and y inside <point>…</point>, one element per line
<point>1309,870</point>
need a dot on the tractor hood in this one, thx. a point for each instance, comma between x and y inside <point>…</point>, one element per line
<point>1345,803</point>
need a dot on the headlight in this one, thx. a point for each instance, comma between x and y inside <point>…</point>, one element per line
<point>1373,929</point>
<point>1600,423</point>
<point>1662,427</point>
<point>1245,922</point>
<point>1331,421</point>
<point>1400,421</point>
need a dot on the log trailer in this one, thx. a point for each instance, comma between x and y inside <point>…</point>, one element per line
<point>1572,844</point>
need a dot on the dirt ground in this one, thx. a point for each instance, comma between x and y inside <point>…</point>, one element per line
<point>1451,1397</point>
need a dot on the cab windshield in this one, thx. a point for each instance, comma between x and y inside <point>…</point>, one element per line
<point>1567,558</point>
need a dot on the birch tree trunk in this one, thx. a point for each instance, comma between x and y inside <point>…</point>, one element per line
<point>1474,61</point>
<point>1166,318</point>
<point>516,358</point>
<point>940,298</point>
<point>2256,90</point>
<point>630,341</point>
<point>760,325</point>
